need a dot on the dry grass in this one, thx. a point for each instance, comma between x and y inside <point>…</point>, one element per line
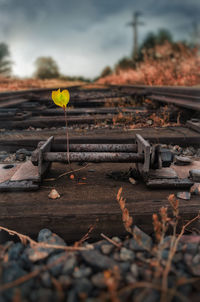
<point>165,65</point>
<point>161,268</point>
<point>115,291</point>
<point>12,84</point>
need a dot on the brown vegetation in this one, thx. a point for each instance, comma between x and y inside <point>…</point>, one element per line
<point>11,84</point>
<point>166,64</point>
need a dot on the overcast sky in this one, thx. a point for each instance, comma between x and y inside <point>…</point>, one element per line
<point>84,36</point>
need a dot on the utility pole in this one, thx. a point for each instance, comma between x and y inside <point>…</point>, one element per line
<point>196,35</point>
<point>135,24</point>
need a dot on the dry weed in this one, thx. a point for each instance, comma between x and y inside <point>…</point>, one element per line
<point>161,268</point>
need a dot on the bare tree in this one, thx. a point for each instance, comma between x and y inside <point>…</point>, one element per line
<point>46,68</point>
<point>5,63</point>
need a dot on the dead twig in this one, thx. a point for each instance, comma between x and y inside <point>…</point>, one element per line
<point>119,245</point>
<point>25,239</point>
<point>66,173</point>
<point>86,236</point>
<point>144,284</point>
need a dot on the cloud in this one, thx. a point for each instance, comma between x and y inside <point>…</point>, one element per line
<point>85,36</point>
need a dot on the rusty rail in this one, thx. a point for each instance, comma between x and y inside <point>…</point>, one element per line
<point>34,107</point>
<point>95,157</point>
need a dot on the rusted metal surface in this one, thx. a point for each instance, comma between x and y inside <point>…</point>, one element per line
<point>11,141</point>
<point>95,157</point>
<point>149,157</point>
<point>169,183</point>
<point>99,147</point>
<point>144,148</point>
<point>189,103</point>
<point>194,124</point>
<point>36,109</point>
<point>14,186</point>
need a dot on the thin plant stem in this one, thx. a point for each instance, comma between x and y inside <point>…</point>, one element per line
<point>67,135</point>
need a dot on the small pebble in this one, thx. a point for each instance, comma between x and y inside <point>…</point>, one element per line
<point>126,255</point>
<point>182,160</point>
<point>81,272</point>
<point>184,195</point>
<point>54,194</point>
<point>98,280</point>
<point>116,239</point>
<point>134,270</point>
<point>107,248</point>
<point>195,189</point>
<point>195,175</point>
<point>132,181</point>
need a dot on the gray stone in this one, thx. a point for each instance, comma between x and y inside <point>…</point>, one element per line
<point>56,269</point>
<point>184,195</point>
<point>82,271</point>
<point>96,259</point>
<point>198,152</point>
<point>191,248</point>
<point>43,295</point>
<point>152,296</point>
<point>45,235</point>
<point>189,151</point>
<point>3,155</point>
<point>72,296</point>
<point>165,254</point>
<point>69,265</point>
<point>195,269</point>
<point>167,242</point>
<point>195,175</point>
<point>83,286</point>
<point>182,160</point>
<point>23,151</point>
<point>178,257</point>
<point>124,267</point>
<point>134,270</point>
<point>126,255</point>
<point>195,189</point>
<point>130,279</point>
<point>65,281</point>
<point>116,239</point>
<point>107,248</point>
<point>15,251</point>
<point>11,272</point>
<point>196,259</point>
<point>37,253</point>
<point>147,274</point>
<point>140,241</point>
<point>116,256</point>
<point>46,279</point>
<point>98,280</point>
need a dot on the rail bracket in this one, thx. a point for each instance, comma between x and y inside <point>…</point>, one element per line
<point>38,159</point>
<point>144,148</point>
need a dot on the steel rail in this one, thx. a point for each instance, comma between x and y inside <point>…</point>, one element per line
<point>97,157</point>
<point>97,147</point>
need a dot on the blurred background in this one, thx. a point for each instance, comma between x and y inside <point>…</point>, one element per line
<point>106,41</point>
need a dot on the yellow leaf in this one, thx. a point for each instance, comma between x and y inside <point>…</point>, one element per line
<point>61,98</point>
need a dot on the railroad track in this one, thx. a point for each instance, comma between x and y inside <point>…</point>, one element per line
<point>34,108</point>
<point>100,121</point>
